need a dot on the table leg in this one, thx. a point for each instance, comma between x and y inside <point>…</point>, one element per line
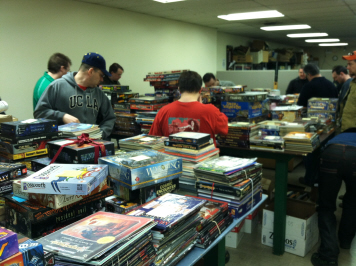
<point>216,256</point>
<point>280,206</point>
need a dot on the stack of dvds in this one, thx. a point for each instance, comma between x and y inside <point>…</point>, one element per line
<point>56,196</point>
<point>193,148</point>
<point>175,233</point>
<point>147,103</point>
<point>142,141</point>
<point>27,138</point>
<point>165,83</point>
<point>103,239</point>
<point>145,120</point>
<point>125,125</point>
<point>239,135</point>
<point>271,143</point>
<point>301,141</point>
<point>233,180</point>
<point>77,129</point>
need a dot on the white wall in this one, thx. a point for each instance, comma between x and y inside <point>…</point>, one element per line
<point>32,30</point>
<point>325,56</point>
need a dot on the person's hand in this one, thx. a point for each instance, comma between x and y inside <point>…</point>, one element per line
<point>70,119</point>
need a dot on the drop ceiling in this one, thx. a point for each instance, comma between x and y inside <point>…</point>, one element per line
<point>335,17</point>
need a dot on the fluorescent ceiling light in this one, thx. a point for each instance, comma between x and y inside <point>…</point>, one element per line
<point>252,15</point>
<point>307,35</point>
<point>286,27</point>
<point>167,1</point>
<point>334,44</point>
<point>322,40</point>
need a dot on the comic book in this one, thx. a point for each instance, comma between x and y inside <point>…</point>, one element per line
<point>168,210</point>
<point>94,235</point>
<point>76,129</point>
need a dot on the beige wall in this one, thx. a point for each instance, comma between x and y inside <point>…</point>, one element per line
<point>325,55</point>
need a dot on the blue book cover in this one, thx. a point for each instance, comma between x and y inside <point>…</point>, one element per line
<point>168,209</point>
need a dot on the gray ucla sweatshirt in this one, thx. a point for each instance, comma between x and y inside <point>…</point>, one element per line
<point>63,96</point>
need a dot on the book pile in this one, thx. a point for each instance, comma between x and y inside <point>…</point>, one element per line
<point>324,108</point>
<point>142,141</point>
<point>301,141</point>
<point>288,127</point>
<point>270,128</point>
<point>125,125</point>
<point>103,239</point>
<point>271,143</point>
<point>239,134</point>
<point>233,180</point>
<point>147,103</point>
<point>27,138</point>
<point>193,148</point>
<point>56,196</point>
<point>145,120</point>
<point>165,83</point>
<point>77,129</point>
<point>175,232</point>
<point>216,94</point>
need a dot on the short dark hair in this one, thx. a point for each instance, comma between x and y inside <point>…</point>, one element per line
<point>190,82</point>
<point>56,61</point>
<point>207,77</point>
<point>311,69</point>
<point>115,67</point>
<point>85,67</point>
<point>339,69</point>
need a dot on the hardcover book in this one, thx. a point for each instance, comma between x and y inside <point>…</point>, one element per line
<point>93,235</point>
<point>65,179</point>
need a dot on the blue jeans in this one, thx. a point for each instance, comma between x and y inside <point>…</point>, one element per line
<point>338,163</point>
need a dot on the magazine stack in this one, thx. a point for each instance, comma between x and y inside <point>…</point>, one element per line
<point>103,239</point>
<point>236,181</point>
<point>193,148</point>
<point>239,135</point>
<point>142,141</point>
<point>77,129</point>
<point>301,141</point>
<point>175,233</point>
<point>145,120</point>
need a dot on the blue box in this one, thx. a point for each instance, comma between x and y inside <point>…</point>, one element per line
<point>241,109</point>
<point>142,168</point>
<point>28,127</point>
<point>8,244</point>
<point>32,253</point>
<point>323,104</point>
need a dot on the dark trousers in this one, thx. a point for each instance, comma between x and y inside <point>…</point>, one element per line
<point>338,163</point>
<point>311,163</point>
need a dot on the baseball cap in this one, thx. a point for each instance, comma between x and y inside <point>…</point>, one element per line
<point>96,60</point>
<point>350,56</point>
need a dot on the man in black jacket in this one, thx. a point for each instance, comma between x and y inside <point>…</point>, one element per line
<point>116,72</point>
<point>296,85</point>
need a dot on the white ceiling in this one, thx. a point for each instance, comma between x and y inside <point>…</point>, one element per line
<point>335,17</point>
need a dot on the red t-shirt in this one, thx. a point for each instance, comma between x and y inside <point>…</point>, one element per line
<point>189,117</point>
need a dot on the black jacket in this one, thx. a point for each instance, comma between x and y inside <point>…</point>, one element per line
<point>296,85</point>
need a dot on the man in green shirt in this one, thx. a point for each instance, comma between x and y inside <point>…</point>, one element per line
<point>58,65</point>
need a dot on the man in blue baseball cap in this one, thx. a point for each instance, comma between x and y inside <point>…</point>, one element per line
<point>76,98</point>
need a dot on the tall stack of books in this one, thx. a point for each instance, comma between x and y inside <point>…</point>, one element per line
<point>147,104</point>
<point>77,129</point>
<point>103,239</point>
<point>145,120</point>
<point>233,180</point>
<point>142,141</point>
<point>55,196</point>
<point>301,141</point>
<point>239,134</point>
<point>165,83</point>
<point>193,148</point>
<point>175,232</point>
<point>125,125</point>
<point>22,140</point>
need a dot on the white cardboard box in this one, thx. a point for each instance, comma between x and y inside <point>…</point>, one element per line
<point>234,237</point>
<point>302,231</point>
<point>251,222</point>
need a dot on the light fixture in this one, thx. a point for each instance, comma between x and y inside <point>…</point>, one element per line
<point>286,27</point>
<point>322,40</point>
<point>307,35</point>
<point>334,44</point>
<point>252,15</point>
<point>168,1</point>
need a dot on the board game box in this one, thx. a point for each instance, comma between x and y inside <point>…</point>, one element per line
<point>9,171</point>
<point>8,244</point>
<point>242,109</point>
<point>23,147</point>
<point>32,253</point>
<point>28,127</point>
<point>30,139</point>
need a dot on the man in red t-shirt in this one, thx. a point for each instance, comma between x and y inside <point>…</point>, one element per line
<point>189,113</point>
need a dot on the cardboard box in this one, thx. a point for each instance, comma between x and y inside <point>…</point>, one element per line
<point>32,253</point>
<point>241,109</point>
<point>15,260</point>
<point>260,57</point>
<point>322,104</point>
<point>302,231</point>
<point>246,58</point>
<point>21,148</point>
<point>323,114</point>
<point>288,116</point>
<point>258,45</point>
<point>8,244</point>
<point>28,127</point>
<point>234,237</point>
<point>251,222</point>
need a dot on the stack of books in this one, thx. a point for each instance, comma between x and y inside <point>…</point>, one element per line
<point>147,104</point>
<point>233,180</point>
<point>271,143</point>
<point>239,134</point>
<point>77,129</point>
<point>8,173</point>
<point>301,141</point>
<point>141,142</point>
<point>193,148</point>
<point>216,94</point>
<point>27,138</point>
<point>145,120</point>
<point>103,239</point>
<point>175,232</point>
<point>165,83</point>
<point>288,127</point>
<point>125,125</point>
<point>270,128</point>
